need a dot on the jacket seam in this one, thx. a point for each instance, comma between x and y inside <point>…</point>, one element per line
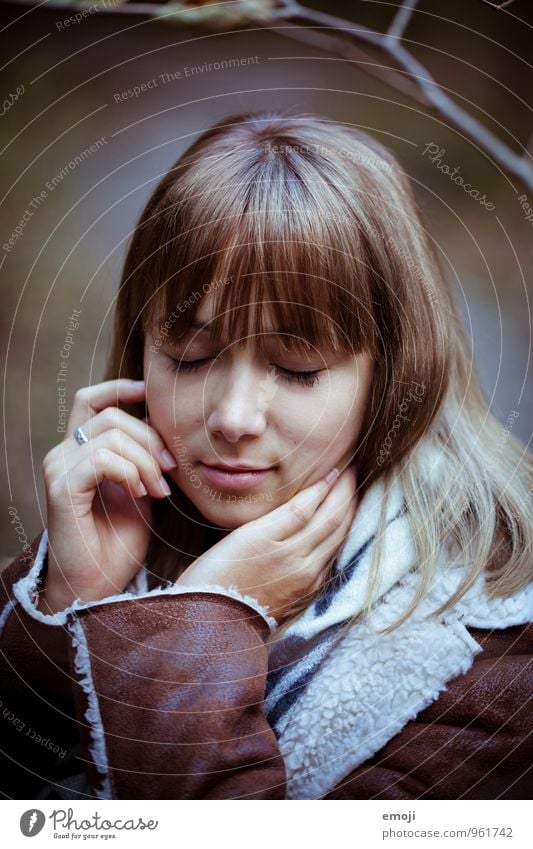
<point>6,613</point>
<point>97,748</point>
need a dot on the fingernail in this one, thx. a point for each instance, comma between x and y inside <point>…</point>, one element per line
<point>164,486</point>
<point>168,459</point>
<point>142,490</point>
<point>334,473</point>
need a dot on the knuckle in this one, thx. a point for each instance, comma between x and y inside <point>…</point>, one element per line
<point>47,460</point>
<point>300,512</point>
<point>110,416</point>
<point>116,439</point>
<point>49,467</point>
<point>149,464</point>
<point>56,487</point>
<point>47,475</point>
<point>335,521</point>
<point>101,456</point>
<point>81,396</point>
<point>155,444</point>
<point>51,456</point>
<point>279,550</point>
<point>153,436</point>
<point>129,473</point>
<point>132,473</point>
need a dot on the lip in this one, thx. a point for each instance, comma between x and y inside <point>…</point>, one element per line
<point>234,477</point>
<point>230,467</point>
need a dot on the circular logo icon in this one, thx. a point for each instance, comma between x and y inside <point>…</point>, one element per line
<point>31,822</point>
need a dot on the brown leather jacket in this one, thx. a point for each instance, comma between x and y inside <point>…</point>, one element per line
<point>190,723</point>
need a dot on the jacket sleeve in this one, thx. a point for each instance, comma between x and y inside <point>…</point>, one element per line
<point>167,689</point>
<point>173,686</point>
<point>474,742</point>
<point>38,731</point>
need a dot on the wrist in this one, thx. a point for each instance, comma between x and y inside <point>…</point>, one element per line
<point>49,603</point>
<point>52,599</point>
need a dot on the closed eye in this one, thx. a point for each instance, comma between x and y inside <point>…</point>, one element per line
<point>305,378</point>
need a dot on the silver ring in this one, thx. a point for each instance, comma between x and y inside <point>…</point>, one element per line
<point>79,436</point>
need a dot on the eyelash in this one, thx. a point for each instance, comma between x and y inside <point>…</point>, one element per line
<point>305,378</point>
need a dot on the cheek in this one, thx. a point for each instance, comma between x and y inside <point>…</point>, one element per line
<point>172,411</point>
<point>337,423</point>
<point>161,399</point>
<point>308,424</point>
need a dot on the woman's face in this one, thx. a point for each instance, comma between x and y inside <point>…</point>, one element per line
<point>240,408</point>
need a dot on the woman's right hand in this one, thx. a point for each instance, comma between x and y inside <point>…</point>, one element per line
<point>98,496</point>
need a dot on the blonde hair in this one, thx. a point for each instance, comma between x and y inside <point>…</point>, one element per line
<point>318,219</point>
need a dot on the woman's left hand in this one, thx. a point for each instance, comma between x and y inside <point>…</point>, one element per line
<point>281,557</point>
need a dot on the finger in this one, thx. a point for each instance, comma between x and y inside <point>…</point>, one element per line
<point>92,399</point>
<point>124,446</point>
<point>286,520</point>
<point>141,432</point>
<point>320,574</point>
<point>326,552</point>
<point>330,514</point>
<point>91,471</point>
<point>320,557</point>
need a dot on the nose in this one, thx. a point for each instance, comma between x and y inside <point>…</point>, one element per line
<point>237,405</point>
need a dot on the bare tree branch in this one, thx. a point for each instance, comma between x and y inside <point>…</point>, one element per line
<point>456,116</point>
<point>402,18</point>
<point>498,5</point>
<point>332,35</point>
<point>343,49</point>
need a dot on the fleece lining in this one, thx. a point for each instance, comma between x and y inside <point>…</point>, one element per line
<point>370,686</point>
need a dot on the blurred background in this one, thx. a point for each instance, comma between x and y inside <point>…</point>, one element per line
<point>81,155</point>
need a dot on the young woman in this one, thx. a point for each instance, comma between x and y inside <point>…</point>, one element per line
<point>288,549</point>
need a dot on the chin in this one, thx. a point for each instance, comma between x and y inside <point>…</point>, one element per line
<point>231,514</point>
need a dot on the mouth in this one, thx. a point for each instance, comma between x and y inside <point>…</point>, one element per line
<point>228,467</point>
<point>234,477</point>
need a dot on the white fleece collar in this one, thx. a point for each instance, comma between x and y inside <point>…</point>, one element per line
<point>368,687</point>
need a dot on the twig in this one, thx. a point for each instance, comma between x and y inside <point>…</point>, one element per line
<point>402,18</point>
